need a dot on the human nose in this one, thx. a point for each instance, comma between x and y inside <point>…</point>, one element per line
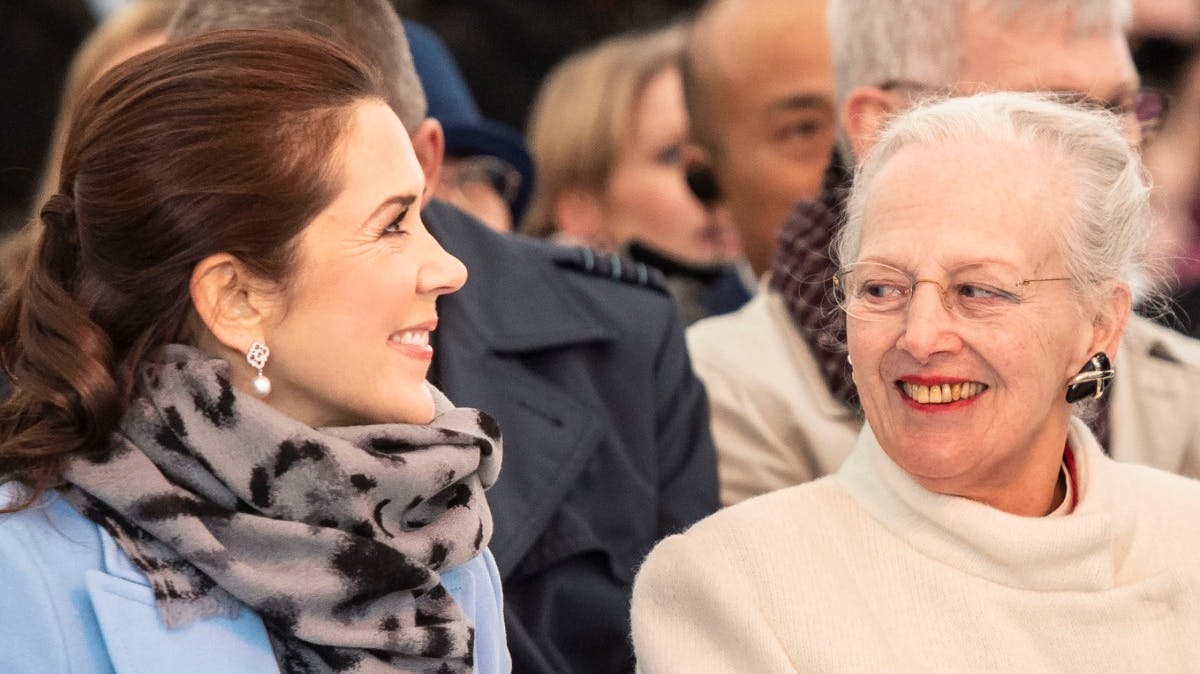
<point>929,324</point>
<point>442,273</point>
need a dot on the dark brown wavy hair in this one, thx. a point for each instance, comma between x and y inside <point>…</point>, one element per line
<point>227,142</point>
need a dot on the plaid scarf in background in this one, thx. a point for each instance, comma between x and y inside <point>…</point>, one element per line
<point>801,273</point>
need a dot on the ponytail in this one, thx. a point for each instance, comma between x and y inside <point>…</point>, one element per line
<point>64,398</point>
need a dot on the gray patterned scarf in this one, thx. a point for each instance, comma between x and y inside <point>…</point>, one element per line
<point>333,536</point>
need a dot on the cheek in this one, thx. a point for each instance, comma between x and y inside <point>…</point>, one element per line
<point>1039,355</point>
<point>650,197</point>
<point>867,343</point>
<point>350,303</point>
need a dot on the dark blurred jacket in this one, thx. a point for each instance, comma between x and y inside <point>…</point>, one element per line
<point>606,435</point>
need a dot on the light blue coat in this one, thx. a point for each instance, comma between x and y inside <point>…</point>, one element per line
<point>71,602</point>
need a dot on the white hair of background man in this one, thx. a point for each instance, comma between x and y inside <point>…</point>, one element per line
<point>876,41</point>
<point>1110,189</point>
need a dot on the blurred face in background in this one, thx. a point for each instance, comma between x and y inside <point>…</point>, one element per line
<point>1018,55</point>
<point>768,81</point>
<point>483,186</point>
<point>646,198</point>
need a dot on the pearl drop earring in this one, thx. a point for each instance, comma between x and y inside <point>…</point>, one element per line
<point>257,357</point>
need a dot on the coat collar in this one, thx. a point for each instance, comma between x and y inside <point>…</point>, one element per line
<point>1154,397</point>
<point>139,643</point>
<point>516,295</point>
<point>500,348</point>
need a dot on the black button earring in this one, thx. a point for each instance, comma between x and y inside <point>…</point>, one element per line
<point>1091,382</point>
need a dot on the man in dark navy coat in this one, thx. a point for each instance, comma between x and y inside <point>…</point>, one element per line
<point>579,357</point>
<point>607,447</point>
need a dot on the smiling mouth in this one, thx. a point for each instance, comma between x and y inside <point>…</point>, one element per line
<point>940,394</point>
<point>414,337</point>
<point>414,342</point>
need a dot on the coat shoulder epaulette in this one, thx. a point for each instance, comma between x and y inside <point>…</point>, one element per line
<point>609,265</point>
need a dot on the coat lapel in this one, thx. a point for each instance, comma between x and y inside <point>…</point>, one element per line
<point>138,642</point>
<point>497,349</point>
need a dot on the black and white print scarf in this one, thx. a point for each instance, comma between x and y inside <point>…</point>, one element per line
<point>333,536</point>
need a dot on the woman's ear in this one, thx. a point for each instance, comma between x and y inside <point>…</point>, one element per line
<point>1109,323</point>
<point>579,218</point>
<point>230,302</point>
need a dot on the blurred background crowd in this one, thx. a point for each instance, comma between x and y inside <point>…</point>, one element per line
<point>698,149</point>
<point>567,121</point>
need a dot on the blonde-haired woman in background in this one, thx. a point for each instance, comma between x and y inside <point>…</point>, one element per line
<point>608,131</point>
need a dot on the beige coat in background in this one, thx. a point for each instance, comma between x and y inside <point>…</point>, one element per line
<point>776,425</point>
<point>774,422</point>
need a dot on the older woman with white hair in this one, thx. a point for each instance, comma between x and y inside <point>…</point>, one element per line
<point>987,268</point>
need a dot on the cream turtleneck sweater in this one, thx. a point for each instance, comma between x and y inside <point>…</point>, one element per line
<point>866,571</point>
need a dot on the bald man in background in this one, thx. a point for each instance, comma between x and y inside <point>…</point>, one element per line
<point>758,82</point>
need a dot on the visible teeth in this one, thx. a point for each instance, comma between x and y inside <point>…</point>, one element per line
<point>942,393</point>
<point>415,337</point>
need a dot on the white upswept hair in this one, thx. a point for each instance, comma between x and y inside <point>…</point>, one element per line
<point>1106,235</point>
<point>876,41</point>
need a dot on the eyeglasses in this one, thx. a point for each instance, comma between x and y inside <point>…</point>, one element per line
<point>872,291</point>
<point>499,174</point>
<point>1147,107</point>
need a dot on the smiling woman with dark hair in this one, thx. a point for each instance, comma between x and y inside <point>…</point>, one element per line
<point>220,446</point>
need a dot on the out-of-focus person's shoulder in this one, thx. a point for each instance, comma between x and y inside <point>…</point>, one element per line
<point>752,323</point>
<point>1145,338</point>
<point>748,347</point>
<point>1154,398</point>
<point>624,295</point>
<point>774,421</point>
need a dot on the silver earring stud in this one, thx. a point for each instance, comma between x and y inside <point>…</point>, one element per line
<point>257,357</point>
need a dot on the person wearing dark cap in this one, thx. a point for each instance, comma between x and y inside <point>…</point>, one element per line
<point>487,170</point>
<point>583,366</point>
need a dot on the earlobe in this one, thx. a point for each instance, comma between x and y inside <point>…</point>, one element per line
<point>864,115</point>
<point>225,301</point>
<point>429,144</point>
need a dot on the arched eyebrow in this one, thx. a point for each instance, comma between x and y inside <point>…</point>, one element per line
<point>397,199</point>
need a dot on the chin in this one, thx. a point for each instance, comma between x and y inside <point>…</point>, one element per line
<point>928,455</point>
